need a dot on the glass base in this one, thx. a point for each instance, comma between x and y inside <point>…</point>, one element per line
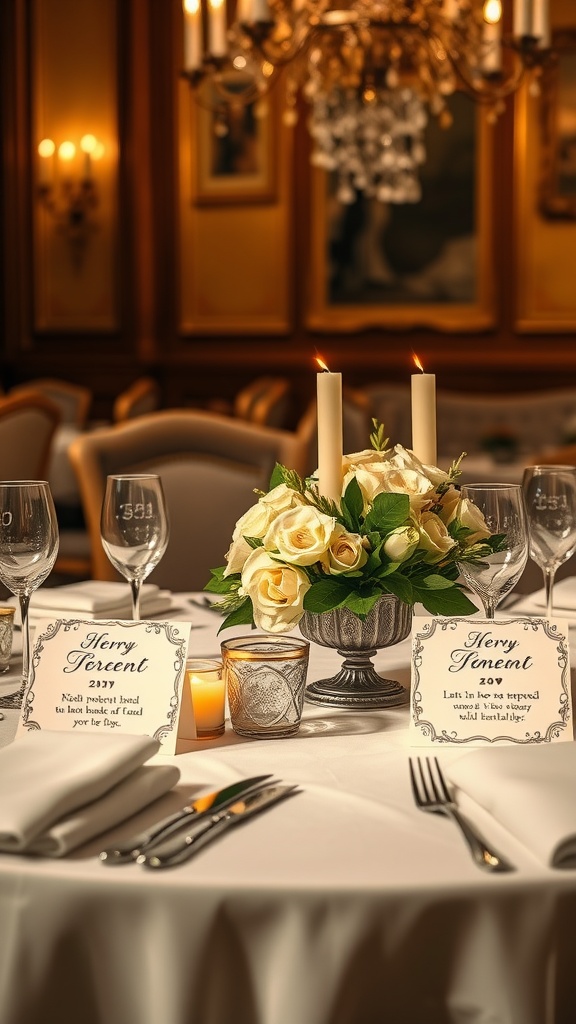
<point>210,734</point>
<point>266,734</point>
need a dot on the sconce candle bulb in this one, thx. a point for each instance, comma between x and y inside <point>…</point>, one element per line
<point>71,200</point>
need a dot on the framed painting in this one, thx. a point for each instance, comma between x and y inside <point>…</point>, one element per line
<point>558,184</point>
<point>411,264</point>
<point>235,150</point>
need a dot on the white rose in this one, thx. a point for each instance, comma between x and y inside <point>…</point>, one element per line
<point>401,543</point>
<point>236,556</point>
<point>254,522</point>
<point>276,591</point>
<point>365,458</point>
<point>385,477</point>
<point>301,535</point>
<point>434,537</point>
<point>281,498</point>
<point>346,551</point>
<point>404,459</point>
<point>469,515</point>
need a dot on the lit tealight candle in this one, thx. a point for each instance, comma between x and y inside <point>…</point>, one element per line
<point>330,442</point>
<point>424,415</point>
<point>207,689</point>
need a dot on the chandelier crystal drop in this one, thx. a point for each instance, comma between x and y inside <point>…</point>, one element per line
<point>372,71</point>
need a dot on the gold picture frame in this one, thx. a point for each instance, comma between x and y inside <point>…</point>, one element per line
<point>394,304</point>
<point>235,148</point>
<point>558,180</point>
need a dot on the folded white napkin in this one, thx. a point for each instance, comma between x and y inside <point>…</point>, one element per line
<point>97,599</point>
<point>530,790</point>
<point>58,789</point>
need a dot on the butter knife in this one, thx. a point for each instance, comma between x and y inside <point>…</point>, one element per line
<point>124,853</point>
<point>178,850</point>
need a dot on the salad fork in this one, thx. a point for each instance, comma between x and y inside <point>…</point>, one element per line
<point>432,794</point>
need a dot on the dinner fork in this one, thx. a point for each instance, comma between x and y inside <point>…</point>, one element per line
<point>432,794</point>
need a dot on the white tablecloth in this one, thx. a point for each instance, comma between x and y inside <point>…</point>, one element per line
<point>342,905</point>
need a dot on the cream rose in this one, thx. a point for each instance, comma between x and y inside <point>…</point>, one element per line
<point>404,459</point>
<point>450,502</point>
<point>470,516</point>
<point>434,538</point>
<point>276,591</point>
<point>256,521</point>
<point>401,543</point>
<point>365,458</point>
<point>346,551</point>
<point>301,536</point>
<point>281,498</point>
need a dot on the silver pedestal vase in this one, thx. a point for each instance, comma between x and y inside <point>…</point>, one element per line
<point>357,684</point>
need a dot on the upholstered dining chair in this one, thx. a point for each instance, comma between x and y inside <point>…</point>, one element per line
<point>265,401</point>
<point>27,425</point>
<point>209,466</point>
<point>141,397</point>
<point>73,400</point>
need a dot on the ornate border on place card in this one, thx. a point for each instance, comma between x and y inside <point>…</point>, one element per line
<point>553,730</point>
<point>173,635</point>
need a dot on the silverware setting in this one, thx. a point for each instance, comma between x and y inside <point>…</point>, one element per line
<point>182,848</point>
<point>432,794</point>
<point>130,850</point>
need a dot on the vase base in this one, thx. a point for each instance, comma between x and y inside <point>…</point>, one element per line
<point>381,693</point>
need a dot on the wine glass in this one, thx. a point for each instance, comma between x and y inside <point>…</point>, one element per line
<point>134,528</point>
<point>28,546</point>
<point>550,494</point>
<point>495,574</point>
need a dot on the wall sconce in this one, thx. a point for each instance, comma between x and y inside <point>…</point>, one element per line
<point>68,195</point>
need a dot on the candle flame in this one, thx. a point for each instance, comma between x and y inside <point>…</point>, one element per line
<point>417,362</point>
<point>322,364</point>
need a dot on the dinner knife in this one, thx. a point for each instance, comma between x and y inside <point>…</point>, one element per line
<point>176,851</point>
<point>125,852</point>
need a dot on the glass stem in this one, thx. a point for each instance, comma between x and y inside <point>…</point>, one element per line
<point>490,607</point>
<point>548,587</point>
<point>135,588</point>
<point>24,606</point>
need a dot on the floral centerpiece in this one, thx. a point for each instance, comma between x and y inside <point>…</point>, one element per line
<point>400,528</point>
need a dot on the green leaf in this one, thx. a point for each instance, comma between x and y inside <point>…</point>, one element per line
<point>277,476</point>
<point>353,504</point>
<point>327,594</point>
<point>399,585</point>
<point>362,604</point>
<point>446,602</point>
<point>377,439</point>
<point>436,582</point>
<point>220,585</point>
<point>388,512</point>
<point>254,542</point>
<point>242,615</point>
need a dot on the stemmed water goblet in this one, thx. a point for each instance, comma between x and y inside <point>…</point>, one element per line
<point>28,546</point>
<point>550,495</point>
<point>134,528</point>
<point>493,575</point>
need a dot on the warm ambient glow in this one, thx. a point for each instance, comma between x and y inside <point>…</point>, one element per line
<point>88,143</point>
<point>98,151</point>
<point>46,148</point>
<point>417,362</point>
<point>215,4</point>
<point>67,151</point>
<point>492,12</point>
<point>191,6</point>
<point>322,364</point>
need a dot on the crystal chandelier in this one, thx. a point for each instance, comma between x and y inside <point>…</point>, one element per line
<point>371,70</point>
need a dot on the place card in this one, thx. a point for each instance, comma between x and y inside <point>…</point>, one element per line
<point>107,676</point>
<point>478,681</point>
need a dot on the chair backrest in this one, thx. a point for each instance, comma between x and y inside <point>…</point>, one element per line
<point>265,401</point>
<point>143,396</point>
<point>73,400</point>
<point>390,404</point>
<point>27,425</point>
<point>209,466</point>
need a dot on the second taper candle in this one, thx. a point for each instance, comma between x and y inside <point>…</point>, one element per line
<point>424,415</point>
<point>330,443</point>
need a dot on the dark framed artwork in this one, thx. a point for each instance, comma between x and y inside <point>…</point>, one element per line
<point>558,183</point>
<point>411,264</point>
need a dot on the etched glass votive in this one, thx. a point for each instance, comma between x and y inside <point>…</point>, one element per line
<point>207,692</point>
<point>6,634</point>
<point>265,678</point>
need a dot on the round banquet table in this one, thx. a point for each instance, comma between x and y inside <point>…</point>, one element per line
<point>341,905</point>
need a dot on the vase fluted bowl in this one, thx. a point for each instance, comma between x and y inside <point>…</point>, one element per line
<point>357,684</point>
